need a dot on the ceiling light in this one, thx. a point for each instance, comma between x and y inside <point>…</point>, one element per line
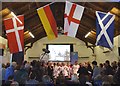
<point>87,34</point>
<point>16,17</point>
<point>31,35</point>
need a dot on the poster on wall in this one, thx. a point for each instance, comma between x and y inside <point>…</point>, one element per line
<point>73,57</point>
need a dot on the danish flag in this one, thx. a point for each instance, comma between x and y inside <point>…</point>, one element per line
<point>15,33</point>
<point>72,17</point>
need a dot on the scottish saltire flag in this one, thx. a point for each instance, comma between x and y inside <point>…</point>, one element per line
<point>105,29</point>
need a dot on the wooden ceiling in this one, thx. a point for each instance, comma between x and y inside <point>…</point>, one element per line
<point>33,23</point>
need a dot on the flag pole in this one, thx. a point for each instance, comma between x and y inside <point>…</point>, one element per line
<point>11,59</point>
<point>46,5</point>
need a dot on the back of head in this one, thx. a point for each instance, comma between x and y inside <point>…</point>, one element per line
<point>76,62</point>
<point>107,61</point>
<point>7,65</point>
<point>32,76</point>
<point>94,63</point>
<point>74,78</point>
<point>14,64</point>
<point>3,65</point>
<point>46,79</point>
<point>118,64</point>
<point>11,77</point>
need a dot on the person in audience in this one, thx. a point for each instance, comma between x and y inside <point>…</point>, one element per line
<point>96,70</point>
<point>57,70</point>
<point>75,67</point>
<point>21,75</point>
<point>47,80</point>
<point>106,80</point>
<point>74,78</point>
<point>116,77</point>
<point>99,78</point>
<point>101,67</point>
<point>10,70</point>
<point>27,67</point>
<point>7,65</point>
<point>83,72</point>
<point>65,70</point>
<point>88,81</point>
<point>3,71</point>
<point>60,81</point>
<point>32,81</point>
<point>50,70</point>
<point>74,81</point>
<point>11,81</point>
<point>70,70</point>
<point>24,63</point>
<point>114,66</point>
<point>108,68</point>
<point>89,67</point>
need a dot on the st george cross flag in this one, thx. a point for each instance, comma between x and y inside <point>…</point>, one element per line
<point>72,17</point>
<point>105,29</point>
<point>47,17</point>
<point>15,33</point>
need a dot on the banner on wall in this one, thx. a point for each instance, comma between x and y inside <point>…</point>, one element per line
<point>73,57</point>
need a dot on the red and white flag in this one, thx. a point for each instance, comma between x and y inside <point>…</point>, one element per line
<point>72,17</point>
<point>15,33</point>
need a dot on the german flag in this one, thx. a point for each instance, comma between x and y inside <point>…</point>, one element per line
<point>48,21</point>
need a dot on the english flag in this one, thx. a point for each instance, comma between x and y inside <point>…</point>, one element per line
<point>15,33</point>
<point>72,17</point>
<point>105,29</point>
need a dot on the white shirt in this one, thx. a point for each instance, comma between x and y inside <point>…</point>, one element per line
<point>75,69</point>
<point>56,71</point>
<point>65,70</point>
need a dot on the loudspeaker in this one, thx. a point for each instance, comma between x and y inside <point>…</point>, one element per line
<point>119,51</point>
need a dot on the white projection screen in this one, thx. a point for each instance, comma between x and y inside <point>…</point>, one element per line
<point>59,52</point>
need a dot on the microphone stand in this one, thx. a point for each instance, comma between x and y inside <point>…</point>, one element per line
<point>42,56</point>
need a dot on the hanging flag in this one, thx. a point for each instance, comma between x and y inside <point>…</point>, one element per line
<point>105,29</point>
<point>15,33</point>
<point>72,17</point>
<point>47,18</point>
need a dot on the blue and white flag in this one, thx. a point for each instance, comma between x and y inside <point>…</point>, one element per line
<point>105,29</point>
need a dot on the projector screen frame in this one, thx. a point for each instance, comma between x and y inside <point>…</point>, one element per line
<point>71,50</point>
